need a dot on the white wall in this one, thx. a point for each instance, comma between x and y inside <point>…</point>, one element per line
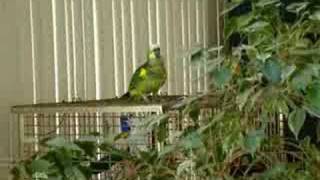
<point>54,50</point>
<point>9,77</point>
<point>89,49</point>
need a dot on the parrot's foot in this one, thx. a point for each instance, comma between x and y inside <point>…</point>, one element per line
<point>163,93</point>
<point>145,99</point>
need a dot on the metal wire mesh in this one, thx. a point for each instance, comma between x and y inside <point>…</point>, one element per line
<point>72,126</point>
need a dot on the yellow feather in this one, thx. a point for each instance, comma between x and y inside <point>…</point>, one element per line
<point>152,55</point>
<point>143,72</point>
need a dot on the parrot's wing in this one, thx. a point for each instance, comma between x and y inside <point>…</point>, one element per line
<point>139,75</point>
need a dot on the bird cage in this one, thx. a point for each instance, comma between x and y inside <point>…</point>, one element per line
<point>110,117</point>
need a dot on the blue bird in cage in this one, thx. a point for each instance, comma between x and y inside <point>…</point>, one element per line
<point>125,123</point>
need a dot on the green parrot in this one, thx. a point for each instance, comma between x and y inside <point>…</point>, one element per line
<point>149,77</point>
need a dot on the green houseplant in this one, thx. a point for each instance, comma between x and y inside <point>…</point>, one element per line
<point>274,71</point>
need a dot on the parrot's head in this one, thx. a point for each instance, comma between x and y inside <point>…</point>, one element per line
<point>154,53</point>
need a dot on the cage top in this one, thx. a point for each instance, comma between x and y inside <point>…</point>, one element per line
<point>156,104</point>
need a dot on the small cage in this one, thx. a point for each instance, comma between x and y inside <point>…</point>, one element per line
<point>106,118</point>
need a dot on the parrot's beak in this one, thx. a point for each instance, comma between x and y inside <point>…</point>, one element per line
<point>157,52</point>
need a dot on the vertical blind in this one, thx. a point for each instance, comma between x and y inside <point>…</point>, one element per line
<point>88,49</point>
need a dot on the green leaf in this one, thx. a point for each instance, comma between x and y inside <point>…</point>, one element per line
<point>231,6</point>
<point>244,20</point>
<point>313,95</point>
<point>283,107</point>
<point>314,69</point>
<point>154,121</point>
<point>148,156</point>
<point>242,98</point>
<point>167,150</point>
<point>39,175</point>
<point>191,141</point>
<point>221,76</point>
<point>196,54</point>
<point>255,98</point>
<point>89,147</point>
<point>296,121</point>
<point>162,131</point>
<point>315,16</point>
<point>122,135</point>
<point>216,118</point>
<point>264,56</point>
<point>297,7</point>
<point>215,48</point>
<point>185,167</point>
<point>232,140</point>
<point>40,165</point>
<point>318,132</point>
<point>287,72</point>
<point>265,3</point>
<point>304,52</point>
<point>257,26</point>
<point>19,172</point>
<point>253,140</point>
<point>194,112</point>
<point>183,102</point>
<point>301,79</point>
<point>235,24</point>
<point>230,27</point>
<point>73,173</point>
<point>312,111</point>
<point>59,142</point>
<point>272,71</point>
<point>273,171</point>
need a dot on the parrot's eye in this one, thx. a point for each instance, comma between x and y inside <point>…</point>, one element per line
<point>157,52</point>
<point>157,49</point>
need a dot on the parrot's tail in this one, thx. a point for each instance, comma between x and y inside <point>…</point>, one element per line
<point>126,95</point>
